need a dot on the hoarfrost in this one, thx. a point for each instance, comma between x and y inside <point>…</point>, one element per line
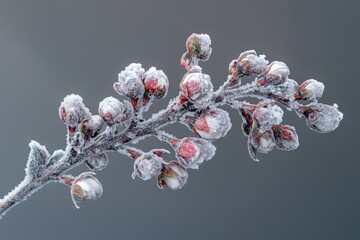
<point>37,159</point>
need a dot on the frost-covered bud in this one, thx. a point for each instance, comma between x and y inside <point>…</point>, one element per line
<point>156,83</point>
<point>199,45</point>
<point>322,118</point>
<point>197,87</point>
<point>92,126</point>
<point>173,176</point>
<point>248,63</point>
<point>112,111</point>
<point>148,165</point>
<point>276,73</point>
<point>286,137</point>
<point>263,142</point>
<point>311,90</point>
<point>288,89</point>
<point>85,187</point>
<point>212,124</point>
<point>267,114</point>
<point>72,110</point>
<point>97,162</point>
<point>130,81</point>
<point>191,152</point>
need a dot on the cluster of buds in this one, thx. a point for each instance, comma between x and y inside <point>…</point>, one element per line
<point>198,48</point>
<point>136,84</point>
<point>320,117</point>
<point>261,123</point>
<point>213,123</point>
<point>84,187</point>
<point>247,64</point>
<point>112,111</point>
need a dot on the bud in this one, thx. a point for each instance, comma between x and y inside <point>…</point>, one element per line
<point>267,114</point>
<point>311,90</point>
<point>286,137</point>
<point>173,176</point>
<point>212,124</point>
<point>72,110</point>
<point>199,45</point>
<point>322,118</point>
<point>148,165</point>
<point>260,142</point>
<point>85,187</point>
<point>156,83</point>
<point>112,111</point>
<point>197,87</point>
<point>248,63</point>
<point>191,152</point>
<point>130,81</point>
<point>97,162</point>
<point>276,73</point>
<point>92,126</point>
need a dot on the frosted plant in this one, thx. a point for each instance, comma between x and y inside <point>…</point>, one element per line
<point>120,124</point>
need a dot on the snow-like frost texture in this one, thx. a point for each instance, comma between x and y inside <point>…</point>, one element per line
<point>56,156</point>
<point>191,152</point>
<point>322,118</point>
<point>148,165</point>
<point>72,110</point>
<point>267,114</point>
<point>130,81</point>
<point>37,159</point>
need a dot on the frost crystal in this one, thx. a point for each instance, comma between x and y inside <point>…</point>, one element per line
<point>37,160</point>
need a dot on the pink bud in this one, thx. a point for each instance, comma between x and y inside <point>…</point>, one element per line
<point>267,114</point>
<point>72,110</point>
<point>322,118</point>
<point>173,176</point>
<point>260,142</point>
<point>191,152</point>
<point>197,87</point>
<point>199,45</point>
<point>276,73</point>
<point>147,166</point>
<point>85,187</point>
<point>156,83</point>
<point>311,90</point>
<point>212,124</point>
<point>286,137</point>
<point>130,81</point>
<point>112,111</point>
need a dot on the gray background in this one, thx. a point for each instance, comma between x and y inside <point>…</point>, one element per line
<point>49,49</point>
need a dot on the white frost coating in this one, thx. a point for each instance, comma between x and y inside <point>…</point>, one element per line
<point>72,110</point>
<point>130,81</point>
<point>148,165</point>
<point>191,152</point>
<point>267,115</point>
<point>287,89</point>
<point>263,142</point>
<point>311,90</point>
<point>322,118</point>
<point>37,159</point>
<point>197,87</point>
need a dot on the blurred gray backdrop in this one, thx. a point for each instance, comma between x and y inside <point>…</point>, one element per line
<point>49,49</point>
